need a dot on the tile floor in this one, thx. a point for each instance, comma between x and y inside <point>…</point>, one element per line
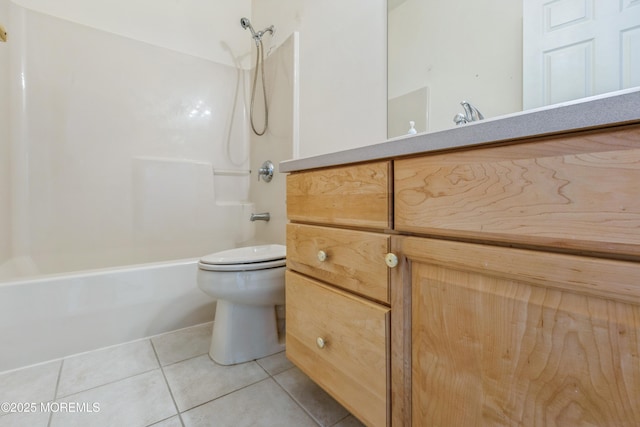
<point>166,381</point>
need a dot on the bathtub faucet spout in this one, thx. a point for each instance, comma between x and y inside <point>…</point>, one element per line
<point>260,216</point>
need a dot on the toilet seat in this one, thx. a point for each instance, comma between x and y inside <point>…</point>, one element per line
<point>245,259</point>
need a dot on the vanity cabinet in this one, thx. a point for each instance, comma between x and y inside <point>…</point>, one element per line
<point>515,300</point>
<point>337,284</point>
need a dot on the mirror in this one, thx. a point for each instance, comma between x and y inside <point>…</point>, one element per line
<point>504,56</point>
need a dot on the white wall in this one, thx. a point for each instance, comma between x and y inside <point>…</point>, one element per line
<point>277,142</point>
<point>460,52</point>
<point>5,224</point>
<point>206,29</point>
<point>342,69</point>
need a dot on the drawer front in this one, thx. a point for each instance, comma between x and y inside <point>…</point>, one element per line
<point>353,366</point>
<point>574,192</point>
<point>353,260</point>
<point>357,196</point>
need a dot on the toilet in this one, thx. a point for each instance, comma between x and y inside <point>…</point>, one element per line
<point>248,284</point>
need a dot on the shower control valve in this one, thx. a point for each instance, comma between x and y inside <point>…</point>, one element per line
<point>266,171</point>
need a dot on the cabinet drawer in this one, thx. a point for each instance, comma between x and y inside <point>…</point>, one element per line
<point>353,195</point>
<point>575,192</point>
<point>353,260</point>
<point>353,366</point>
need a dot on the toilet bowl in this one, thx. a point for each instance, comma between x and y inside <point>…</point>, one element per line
<point>247,283</point>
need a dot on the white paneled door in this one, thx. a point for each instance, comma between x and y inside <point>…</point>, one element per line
<point>578,48</point>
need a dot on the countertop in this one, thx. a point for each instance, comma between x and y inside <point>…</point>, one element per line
<point>616,108</point>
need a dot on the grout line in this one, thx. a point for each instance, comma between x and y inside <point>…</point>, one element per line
<point>180,361</point>
<point>175,404</point>
<point>55,392</point>
<point>227,394</point>
<point>300,405</point>
<point>349,414</point>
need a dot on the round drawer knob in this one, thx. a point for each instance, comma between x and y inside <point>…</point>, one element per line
<point>391,260</point>
<point>320,342</point>
<point>322,256</point>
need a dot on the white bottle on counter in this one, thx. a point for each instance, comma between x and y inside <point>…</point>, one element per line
<point>412,128</point>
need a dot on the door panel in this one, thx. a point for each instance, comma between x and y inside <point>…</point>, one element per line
<point>578,48</point>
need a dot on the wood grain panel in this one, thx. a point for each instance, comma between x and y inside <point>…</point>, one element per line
<point>575,192</point>
<point>597,277</point>
<point>357,195</point>
<point>400,337</point>
<point>354,259</point>
<point>353,367</point>
<point>492,349</point>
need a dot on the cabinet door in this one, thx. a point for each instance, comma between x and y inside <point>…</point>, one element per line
<point>506,337</point>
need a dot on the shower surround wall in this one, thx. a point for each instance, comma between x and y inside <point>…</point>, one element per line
<point>5,194</point>
<point>114,144</point>
<point>277,143</point>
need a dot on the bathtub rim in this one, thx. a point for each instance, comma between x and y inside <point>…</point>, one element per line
<point>92,272</point>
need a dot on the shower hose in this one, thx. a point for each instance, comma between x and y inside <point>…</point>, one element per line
<point>259,64</point>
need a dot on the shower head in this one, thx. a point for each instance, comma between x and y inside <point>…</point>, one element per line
<point>245,23</point>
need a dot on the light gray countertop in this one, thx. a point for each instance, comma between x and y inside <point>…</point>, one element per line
<point>611,109</point>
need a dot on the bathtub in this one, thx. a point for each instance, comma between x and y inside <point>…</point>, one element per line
<point>53,316</point>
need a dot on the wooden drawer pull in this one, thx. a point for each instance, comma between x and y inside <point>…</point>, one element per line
<point>322,256</point>
<point>320,342</point>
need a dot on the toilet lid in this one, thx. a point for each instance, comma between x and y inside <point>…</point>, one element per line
<point>247,255</point>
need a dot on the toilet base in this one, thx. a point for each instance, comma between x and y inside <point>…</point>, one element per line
<point>243,332</point>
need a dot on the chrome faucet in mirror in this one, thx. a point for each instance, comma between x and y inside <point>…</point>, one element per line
<point>471,114</point>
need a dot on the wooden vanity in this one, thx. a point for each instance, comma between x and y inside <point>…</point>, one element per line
<point>491,285</point>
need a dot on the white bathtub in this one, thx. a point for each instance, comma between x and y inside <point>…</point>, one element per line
<point>53,316</point>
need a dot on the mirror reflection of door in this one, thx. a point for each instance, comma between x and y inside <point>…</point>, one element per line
<point>578,48</point>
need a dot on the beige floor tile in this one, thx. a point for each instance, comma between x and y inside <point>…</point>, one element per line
<point>25,419</point>
<point>183,344</point>
<point>198,380</point>
<point>137,401</point>
<point>275,363</point>
<point>261,405</point>
<point>322,407</point>
<point>33,384</point>
<point>103,366</point>
<point>350,421</point>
